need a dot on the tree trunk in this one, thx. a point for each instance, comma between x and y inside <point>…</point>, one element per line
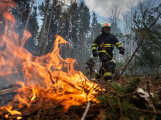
<point>22,11</point>
<point>28,18</point>
<point>42,31</point>
<point>44,47</point>
<point>82,52</point>
<point>58,23</point>
<point>67,39</point>
<point>61,47</point>
<point>29,14</point>
<point>71,52</point>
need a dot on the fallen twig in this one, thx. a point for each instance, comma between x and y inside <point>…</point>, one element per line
<point>5,91</point>
<point>120,107</point>
<point>85,113</point>
<point>126,94</point>
<point>51,77</point>
<point>116,73</point>
<point>155,116</point>
<point>148,111</point>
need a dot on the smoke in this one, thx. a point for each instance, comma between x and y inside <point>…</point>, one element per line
<point>101,7</point>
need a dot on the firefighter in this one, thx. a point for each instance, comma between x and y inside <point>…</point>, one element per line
<point>103,46</point>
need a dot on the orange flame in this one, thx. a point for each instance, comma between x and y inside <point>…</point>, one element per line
<point>47,79</point>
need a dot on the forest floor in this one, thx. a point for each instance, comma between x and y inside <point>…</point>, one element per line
<point>99,112</point>
<point>150,84</point>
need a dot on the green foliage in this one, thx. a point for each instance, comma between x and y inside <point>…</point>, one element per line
<point>113,111</point>
<point>129,88</point>
<point>117,87</point>
<point>147,28</point>
<point>84,19</point>
<point>95,27</point>
<point>132,85</point>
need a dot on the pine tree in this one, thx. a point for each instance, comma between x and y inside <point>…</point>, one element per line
<point>33,29</point>
<point>83,31</point>
<point>54,23</point>
<point>41,35</point>
<point>74,27</point>
<point>21,13</point>
<point>150,47</point>
<point>95,29</point>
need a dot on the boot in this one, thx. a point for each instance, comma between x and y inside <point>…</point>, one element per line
<point>108,78</point>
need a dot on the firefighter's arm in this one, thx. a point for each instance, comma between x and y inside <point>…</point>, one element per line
<point>119,46</point>
<point>94,48</point>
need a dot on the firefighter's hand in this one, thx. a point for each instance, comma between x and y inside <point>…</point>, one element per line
<point>121,51</point>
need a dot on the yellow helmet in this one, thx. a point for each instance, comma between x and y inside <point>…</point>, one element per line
<point>106,24</point>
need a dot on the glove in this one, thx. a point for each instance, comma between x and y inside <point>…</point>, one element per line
<point>95,54</point>
<point>121,50</point>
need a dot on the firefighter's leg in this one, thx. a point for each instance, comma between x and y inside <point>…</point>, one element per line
<point>107,74</point>
<point>112,67</point>
<point>105,66</point>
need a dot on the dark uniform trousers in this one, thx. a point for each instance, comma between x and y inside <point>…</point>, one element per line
<point>105,70</point>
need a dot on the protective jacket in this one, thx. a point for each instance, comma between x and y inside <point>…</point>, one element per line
<point>105,43</point>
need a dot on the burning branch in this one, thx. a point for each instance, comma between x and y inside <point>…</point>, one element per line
<point>51,77</point>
